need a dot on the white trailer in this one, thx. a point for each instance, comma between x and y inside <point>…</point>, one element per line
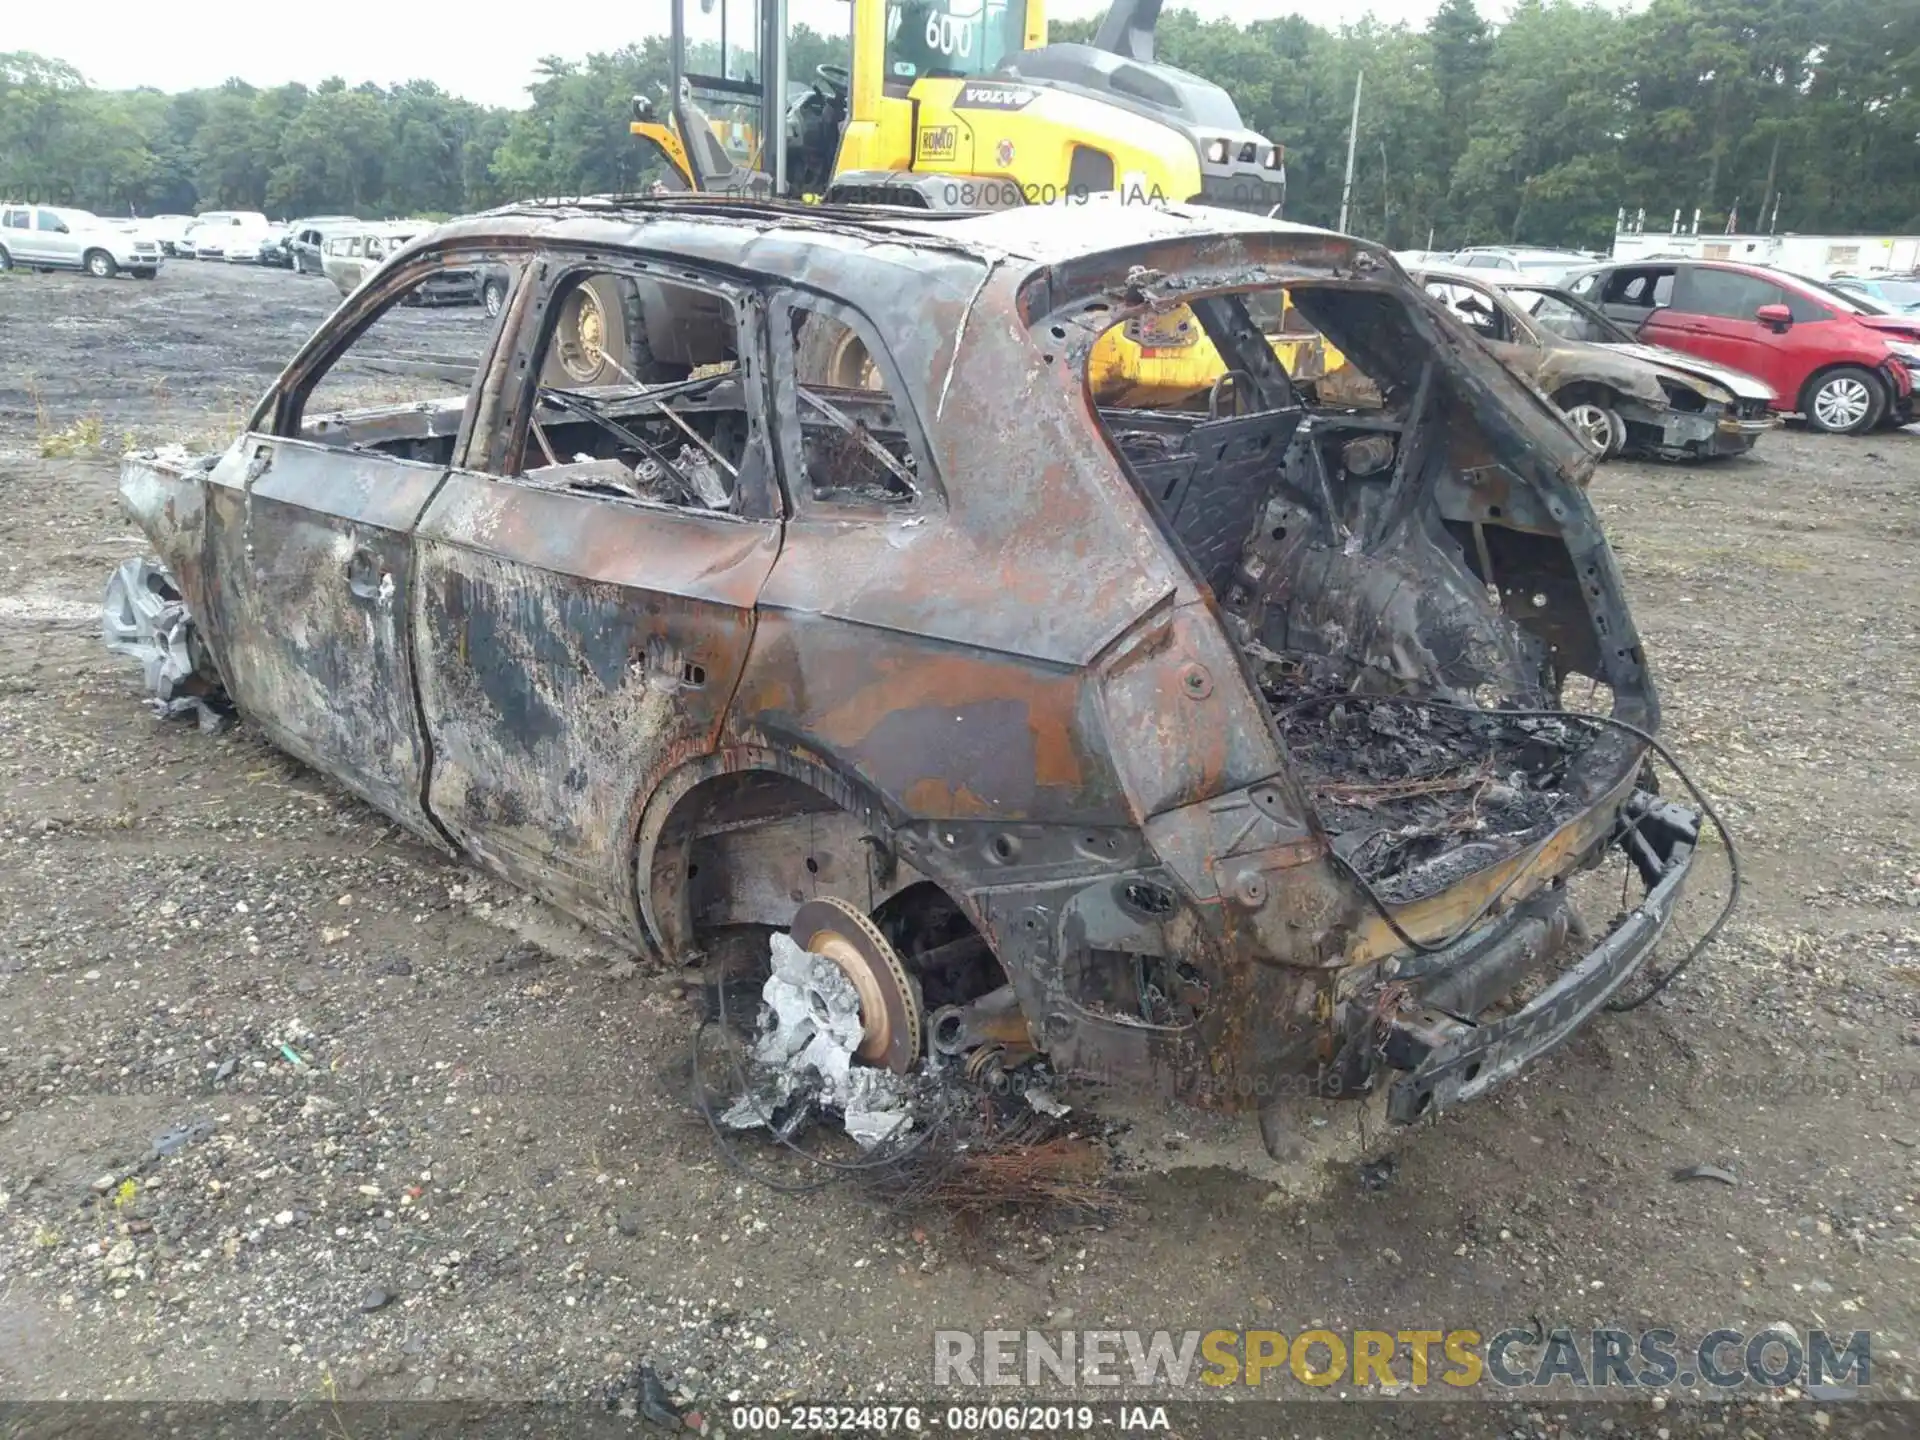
<point>1819,256</point>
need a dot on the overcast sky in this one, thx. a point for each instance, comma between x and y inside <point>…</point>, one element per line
<point>488,60</point>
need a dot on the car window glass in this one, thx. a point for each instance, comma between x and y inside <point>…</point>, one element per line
<point>50,221</point>
<point>1583,286</point>
<point>1642,289</point>
<point>1472,308</point>
<point>854,445</point>
<point>17,219</point>
<point>401,386</point>
<point>1724,294</point>
<point>641,395</point>
<point>1554,314</point>
<point>1805,308</point>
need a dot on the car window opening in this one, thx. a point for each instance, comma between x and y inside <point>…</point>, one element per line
<point>401,388</point>
<point>641,395</point>
<point>854,448</point>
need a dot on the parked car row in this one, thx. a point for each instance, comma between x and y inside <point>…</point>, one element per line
<point>1841,358</point>
<point>1686,340</point>
<point>343,248</point>
<point>349,254</point>
<point>1505,261</point>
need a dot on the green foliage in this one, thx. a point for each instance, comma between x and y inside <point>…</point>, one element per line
<point>1537,130</point>
<point>84,437</point>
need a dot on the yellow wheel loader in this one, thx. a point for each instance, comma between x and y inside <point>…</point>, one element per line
<point>963,105</point>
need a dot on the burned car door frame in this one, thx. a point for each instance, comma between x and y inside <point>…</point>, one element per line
<point>310,566</point>
<point>576,643</point>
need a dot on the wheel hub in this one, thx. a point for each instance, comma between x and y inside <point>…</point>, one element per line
<point>583,336</point>
<point>1594,425</point>
<point>891,1014</point>
<point>1842,403</point>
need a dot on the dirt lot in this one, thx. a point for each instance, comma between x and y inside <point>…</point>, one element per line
<point>487,1183</point>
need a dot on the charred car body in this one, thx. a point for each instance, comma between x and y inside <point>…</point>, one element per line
<point>1622,395</point>
<point>1153,741</point>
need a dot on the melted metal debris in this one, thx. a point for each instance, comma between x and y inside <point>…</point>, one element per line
<point>1417,798</point>
<point>144,616</point>
<point>809,1030</point>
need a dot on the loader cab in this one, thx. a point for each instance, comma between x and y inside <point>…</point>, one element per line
<point>949,39</point>
<point>737,84</point>
<point>931,94</point>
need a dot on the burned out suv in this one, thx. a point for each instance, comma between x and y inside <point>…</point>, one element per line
<point>1166,744</point>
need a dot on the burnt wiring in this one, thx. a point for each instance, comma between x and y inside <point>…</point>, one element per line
<point>1734,877</point>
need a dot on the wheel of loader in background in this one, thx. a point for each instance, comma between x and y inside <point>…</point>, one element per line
<point>830,354</point>
<point>601,340</point>
<point>892,1021</point>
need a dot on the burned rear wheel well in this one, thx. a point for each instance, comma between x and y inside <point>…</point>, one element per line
<point>733,846</point>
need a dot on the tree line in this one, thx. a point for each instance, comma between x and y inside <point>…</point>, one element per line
<point>1534,131</point>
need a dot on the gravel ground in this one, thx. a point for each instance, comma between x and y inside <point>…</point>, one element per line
<point>480,1178</point>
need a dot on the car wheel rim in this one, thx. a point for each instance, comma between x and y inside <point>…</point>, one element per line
<point>582,337</point>
<point>493,301</point>
<point>1594,425</point>
<point>1842,403</point>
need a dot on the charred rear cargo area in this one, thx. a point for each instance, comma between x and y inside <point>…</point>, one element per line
<point>1416,797</point>
<point>1368,556</point>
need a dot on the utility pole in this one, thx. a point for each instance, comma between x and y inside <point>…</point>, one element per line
<point>1353,134</point>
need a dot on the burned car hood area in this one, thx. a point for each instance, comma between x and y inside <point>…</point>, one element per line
<point>1216,749</point>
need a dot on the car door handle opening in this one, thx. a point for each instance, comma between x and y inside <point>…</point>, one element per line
<point>365,579</point>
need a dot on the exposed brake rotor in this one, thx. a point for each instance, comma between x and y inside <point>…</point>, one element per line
<point>891,1014</point>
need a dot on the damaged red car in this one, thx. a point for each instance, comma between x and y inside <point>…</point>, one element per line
<point>774,568</point>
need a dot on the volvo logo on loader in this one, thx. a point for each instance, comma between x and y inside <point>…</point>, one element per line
<point>993,97</point>
<point>939,142</point>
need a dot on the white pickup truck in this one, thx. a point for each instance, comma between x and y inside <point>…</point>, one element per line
<point>50,237</point>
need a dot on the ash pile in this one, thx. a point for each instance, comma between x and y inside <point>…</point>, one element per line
<point>835,1067</point>
<point>1417,796</point>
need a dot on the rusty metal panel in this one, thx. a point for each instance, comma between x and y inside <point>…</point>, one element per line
<point>936,730</point>
<point>1182,720</point>
<point>166,496</point>
<point>310,561</point>
<point>572,650</point>
<point>939,731</point>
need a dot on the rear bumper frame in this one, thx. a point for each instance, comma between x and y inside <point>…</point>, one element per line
<point>1448,1060</point>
